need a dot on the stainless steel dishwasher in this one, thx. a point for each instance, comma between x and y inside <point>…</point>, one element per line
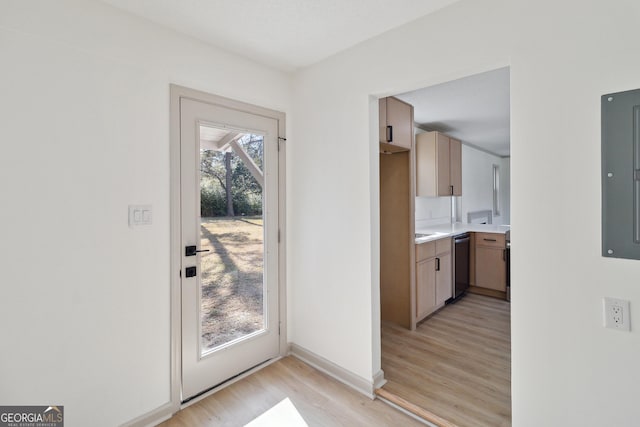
<point>461,264</point>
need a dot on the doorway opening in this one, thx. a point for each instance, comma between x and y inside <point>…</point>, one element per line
<point>445,340</point>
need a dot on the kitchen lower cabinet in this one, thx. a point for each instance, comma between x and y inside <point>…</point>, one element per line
<point>433,276</point>
<point>444,288</point>
<point>425,287</point>
<point>490,261</point>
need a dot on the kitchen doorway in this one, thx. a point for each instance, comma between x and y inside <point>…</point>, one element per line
<point>444,351</point>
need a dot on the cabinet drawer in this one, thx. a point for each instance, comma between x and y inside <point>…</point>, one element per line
<point>494,240</point>
<point>425,250</point>
<point>443,246</point>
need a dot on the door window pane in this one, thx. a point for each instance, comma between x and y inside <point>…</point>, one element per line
<point>232,230</point>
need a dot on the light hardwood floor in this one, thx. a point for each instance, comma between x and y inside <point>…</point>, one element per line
<point>457,364</point>
<point>320,400</point>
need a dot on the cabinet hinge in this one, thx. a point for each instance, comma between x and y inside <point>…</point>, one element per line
<point>279,327</point>
<point>278,235</point>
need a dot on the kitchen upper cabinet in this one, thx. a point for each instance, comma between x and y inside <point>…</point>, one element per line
<point>490,261</point>
<point>433,276</point>
<point>438,165</point>
<point>455,165</point>
<point>396,125</point>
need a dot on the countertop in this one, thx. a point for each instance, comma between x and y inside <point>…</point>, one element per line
<point>447,230</point>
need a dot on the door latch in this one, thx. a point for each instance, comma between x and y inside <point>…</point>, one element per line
<point>193,250</point>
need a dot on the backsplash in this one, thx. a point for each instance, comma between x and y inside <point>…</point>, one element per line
<point>432,211</point>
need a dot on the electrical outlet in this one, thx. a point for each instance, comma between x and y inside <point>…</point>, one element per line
<point>616,314</point>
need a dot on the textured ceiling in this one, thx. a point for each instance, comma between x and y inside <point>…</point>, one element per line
<point>473,109</point>
<point>285,34</point>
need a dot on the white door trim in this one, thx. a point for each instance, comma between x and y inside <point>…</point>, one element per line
<point>176,93</point>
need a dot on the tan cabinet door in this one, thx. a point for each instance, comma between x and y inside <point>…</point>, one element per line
<point>443,167</point>
<point>455,174</point>
<point>438,165</point>
<point>491,270</point>
<point>400,118</point>
<point>443,279</point>
<point>425,289</point>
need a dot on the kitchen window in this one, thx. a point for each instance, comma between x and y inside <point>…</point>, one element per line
<point>496,190</point>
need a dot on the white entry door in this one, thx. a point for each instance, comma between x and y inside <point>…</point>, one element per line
<point>229,232</point>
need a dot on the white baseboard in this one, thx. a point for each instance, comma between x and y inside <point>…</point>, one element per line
<point>167,410</point>
<point>346,377</point>
<point>379,380</point>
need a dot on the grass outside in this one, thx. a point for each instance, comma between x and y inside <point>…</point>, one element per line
<point>232,283</point>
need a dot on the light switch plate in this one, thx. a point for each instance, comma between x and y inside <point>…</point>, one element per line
<point>140,215</point>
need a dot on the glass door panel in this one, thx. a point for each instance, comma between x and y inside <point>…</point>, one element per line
<point>232,233</point>
<point>229,195</point>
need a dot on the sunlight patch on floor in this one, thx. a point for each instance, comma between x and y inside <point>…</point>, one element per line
<point>284,414</point>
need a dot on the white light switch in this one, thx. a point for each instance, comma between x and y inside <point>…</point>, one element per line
<point>140,215</point>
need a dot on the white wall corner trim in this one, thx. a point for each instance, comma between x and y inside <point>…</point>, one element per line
<point>356,382</point>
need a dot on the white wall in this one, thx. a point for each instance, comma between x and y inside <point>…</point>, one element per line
<point>84,125</point>
<point>477,183</point>
<point>563,56</point>
<point>334,220</point>
<point>565,364</point>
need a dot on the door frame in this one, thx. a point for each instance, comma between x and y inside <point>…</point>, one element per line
<point>176,93</point>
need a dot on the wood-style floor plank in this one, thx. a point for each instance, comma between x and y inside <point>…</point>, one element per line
<point>320,400</point>
<point>456,364</point>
